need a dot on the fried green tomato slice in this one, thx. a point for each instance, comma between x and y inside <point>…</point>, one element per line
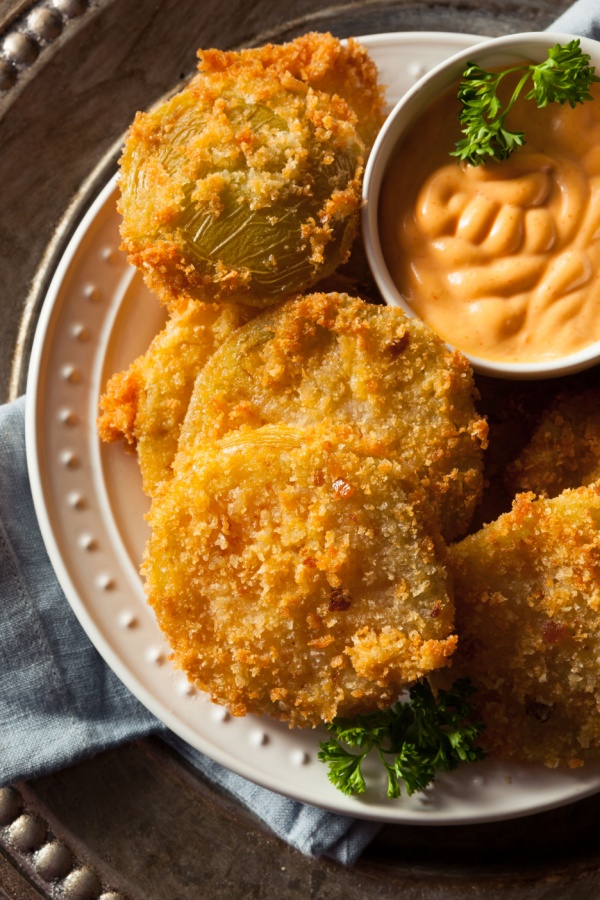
<point>527,593</point>
<point>334,358</point>
<point>145,405</point>
<point>294,577</point>
<point>245,186</point>
<point>564,450</point>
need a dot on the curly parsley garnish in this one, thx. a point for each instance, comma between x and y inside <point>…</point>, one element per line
<point>565,77</point>
<point>414,740</point>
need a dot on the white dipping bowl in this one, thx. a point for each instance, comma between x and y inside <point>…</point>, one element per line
<point>511,50</point>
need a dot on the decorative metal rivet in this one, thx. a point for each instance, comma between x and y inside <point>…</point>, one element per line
<point>218,714</point>
<point>88,542</point>
<point>70,8</point>
<point>81,884</point>
<point>71,374</point>
<point>10,805</point>
<point>299,758</point>
<point>68,417</point>
<point>53,861</point>
<point>8,75</point>
<point>259,738</point>
<point>20,48</point>
<point>155,656</point>
<point>80,332</point>
<point>91,292</point>
<point>27,833</point>
<point>127,620</point>
<point>69,459</point>
<point>44,23</point>
<point>105,582</point>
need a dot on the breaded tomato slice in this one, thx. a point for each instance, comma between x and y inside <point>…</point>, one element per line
<point>294,577</point>
<point>564,450</point>
<point>335,358</point>
<point>145,405</point>
<point>527,591</point>
<point>246,185</point>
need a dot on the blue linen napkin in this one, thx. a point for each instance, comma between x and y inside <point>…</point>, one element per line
<point>59,701</point>
<point>582,18</point>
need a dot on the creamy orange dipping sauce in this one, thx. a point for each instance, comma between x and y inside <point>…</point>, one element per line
<point>501,260</point>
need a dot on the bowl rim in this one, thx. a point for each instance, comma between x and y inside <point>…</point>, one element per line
<point>401,116</point>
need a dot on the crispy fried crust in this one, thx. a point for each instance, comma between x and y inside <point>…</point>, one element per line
<point>319,61</point>
<point>334,358</point>
<point>564,451</point>
<point>145,405</point>
<point>295,577</point>
<point>527,591</point>
<point>246,185</point>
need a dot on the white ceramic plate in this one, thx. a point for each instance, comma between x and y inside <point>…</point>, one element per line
<point>96,319</point>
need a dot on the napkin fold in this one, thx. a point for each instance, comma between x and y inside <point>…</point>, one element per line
<point>59,701</point>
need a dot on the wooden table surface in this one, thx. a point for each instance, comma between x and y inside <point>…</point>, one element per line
<point>137,822</point>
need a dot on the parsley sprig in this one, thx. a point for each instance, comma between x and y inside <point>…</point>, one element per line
<point>565,77</point>
<point>414,740</point>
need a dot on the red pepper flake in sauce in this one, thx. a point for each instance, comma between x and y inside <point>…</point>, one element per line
<point>436,611</point>
<point>554,632</point>
<point>341,488</point>
<point>339,600</point>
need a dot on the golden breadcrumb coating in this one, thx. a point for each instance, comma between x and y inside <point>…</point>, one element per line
<point>527,593</point>
<point>246,185</point>
<point>564,450</point>
<point>145,405</point>
<point>294,577</point>
<point>335,358</point>
<point>321,62</point>
<point>512,410</point>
